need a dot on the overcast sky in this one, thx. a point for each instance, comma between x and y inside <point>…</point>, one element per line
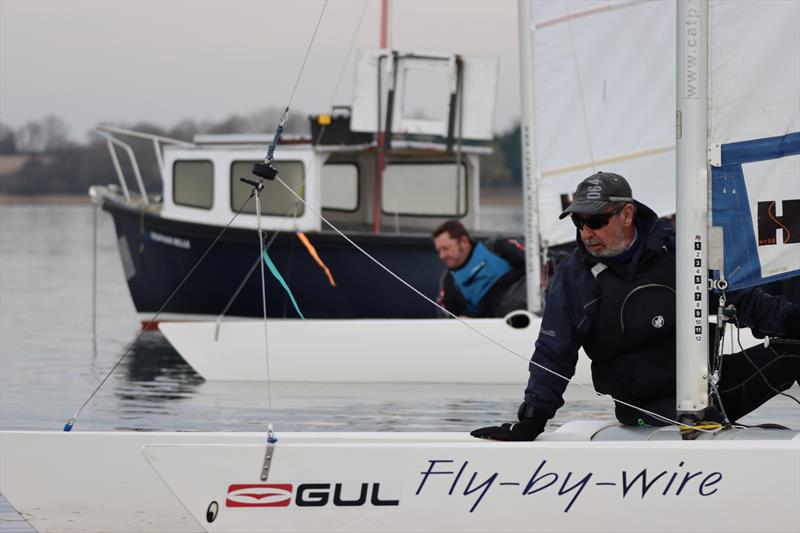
<point>89,62</point>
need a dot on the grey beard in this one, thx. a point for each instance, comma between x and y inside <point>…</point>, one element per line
<point>611,252</point>
<point>607,252</point>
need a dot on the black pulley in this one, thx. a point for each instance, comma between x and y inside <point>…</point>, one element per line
<point>265,170</point>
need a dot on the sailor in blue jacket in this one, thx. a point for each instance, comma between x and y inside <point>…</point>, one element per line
<point>483,279</point>
<point>615,297</point>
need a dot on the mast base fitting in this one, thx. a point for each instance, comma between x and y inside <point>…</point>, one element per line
<point>265,170</point>
<point>693,425</point>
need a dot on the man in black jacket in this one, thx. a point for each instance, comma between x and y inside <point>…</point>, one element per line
<point>615,297</point>
<point>483,279</point>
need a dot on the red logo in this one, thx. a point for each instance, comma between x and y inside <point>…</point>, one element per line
<point>260,495</point>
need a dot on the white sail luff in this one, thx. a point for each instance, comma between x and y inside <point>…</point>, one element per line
<point>530,166</point>
<point>692,208</point>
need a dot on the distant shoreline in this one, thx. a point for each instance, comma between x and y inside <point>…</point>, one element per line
<point>52,199</point>
<point>488,198</point>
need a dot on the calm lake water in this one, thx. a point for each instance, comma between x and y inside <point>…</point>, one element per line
<point>50,361</point>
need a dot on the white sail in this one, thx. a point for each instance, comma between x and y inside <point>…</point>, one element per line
<point>605,100</point>
<point>754,144</point>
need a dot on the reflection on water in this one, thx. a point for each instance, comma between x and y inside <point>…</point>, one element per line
<point>152,363</point>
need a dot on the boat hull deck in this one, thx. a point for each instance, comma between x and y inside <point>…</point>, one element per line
<point>587,476</point>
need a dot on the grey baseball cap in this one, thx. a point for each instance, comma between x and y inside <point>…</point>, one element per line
<point>597,193</point>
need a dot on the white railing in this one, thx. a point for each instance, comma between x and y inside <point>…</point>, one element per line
<point>109,132</point>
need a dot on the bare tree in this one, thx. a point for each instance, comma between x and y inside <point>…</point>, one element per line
<point>50,133</point>
<point>8,144</point>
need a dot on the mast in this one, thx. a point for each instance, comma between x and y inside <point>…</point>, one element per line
<point>530,168</point>
<point>380,155</point>
<point>692,209</point>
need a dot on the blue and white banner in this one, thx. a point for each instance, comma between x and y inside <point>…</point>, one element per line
<point>756,200</point>
<point>754,137</point>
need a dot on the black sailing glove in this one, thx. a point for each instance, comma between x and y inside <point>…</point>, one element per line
<point>526,429</point>
<point>792,326</point>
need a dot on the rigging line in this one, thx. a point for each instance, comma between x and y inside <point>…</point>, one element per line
<point>308,51</point>
<point>715,391</point>
<point>94,282</point>
<point>582,96</point>
<point>344,65</point>
<point>527,360</point>
<point>257,192</point>
<point>758,370</point>
<point>71,421</point>
<point>249,273</point>
<point>349,51</point>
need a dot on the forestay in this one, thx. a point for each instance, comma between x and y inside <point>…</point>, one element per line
<point>754,144</point>
<point>604,82</point>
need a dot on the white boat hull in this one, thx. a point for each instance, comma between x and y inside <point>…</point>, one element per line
<point>372,351</point>
<point>628,479</point>
<point>355,351</point>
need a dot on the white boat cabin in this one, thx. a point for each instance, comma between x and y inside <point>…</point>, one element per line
<point>431,164</point>
<point>418,188</point>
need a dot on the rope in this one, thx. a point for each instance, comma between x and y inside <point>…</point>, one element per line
<point>94,282</point>
<point>349,51</point>
<point>344,66</point>
<point>285,115</point>
<point>758,370</point>
<point>257,192</point>
<point>71,422</point>
<point>305,59</point>
<point>245,278</point>
<point>582,96</point>
<point>470,327</point>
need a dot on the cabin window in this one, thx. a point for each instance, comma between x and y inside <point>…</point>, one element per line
<point>340,186</point>
<point>426,95</point>
<point>425,189</point>
<point>275,199</point>
<point>193,184</point>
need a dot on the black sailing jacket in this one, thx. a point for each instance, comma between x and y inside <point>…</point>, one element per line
<point>629,361</point>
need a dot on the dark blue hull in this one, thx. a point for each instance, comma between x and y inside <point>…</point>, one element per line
<point>162,252</point>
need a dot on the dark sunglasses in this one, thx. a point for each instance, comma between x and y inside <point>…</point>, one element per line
<point>595,221</point>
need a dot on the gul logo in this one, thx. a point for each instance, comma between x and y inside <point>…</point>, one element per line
<point>260,495</point>
<point>658,321</point>
<point>769,222</point>
<point>306,495</point>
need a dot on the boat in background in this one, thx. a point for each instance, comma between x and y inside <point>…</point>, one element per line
<point>642,145</point>
<point>428,173</point>
<point>469,350</point>
<point>483,350</point>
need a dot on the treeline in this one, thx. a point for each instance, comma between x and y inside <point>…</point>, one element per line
<point>39,157</point>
